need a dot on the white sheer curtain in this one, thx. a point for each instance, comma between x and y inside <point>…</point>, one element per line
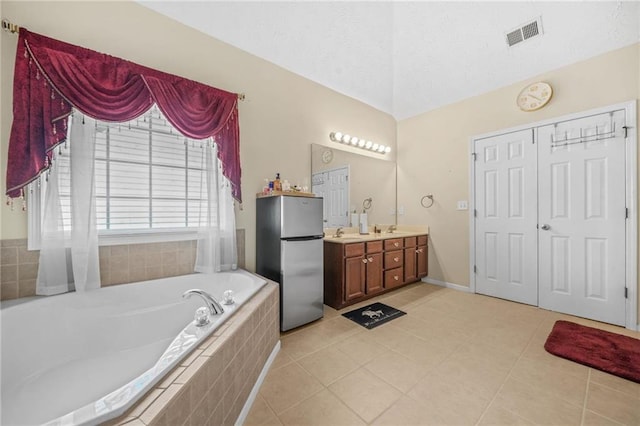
<point>216,249</point>
<point>80,235</point>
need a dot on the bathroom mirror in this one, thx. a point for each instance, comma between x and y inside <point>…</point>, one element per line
<point>347,179</point>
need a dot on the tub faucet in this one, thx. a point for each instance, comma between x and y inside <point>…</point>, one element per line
<point>212,304</point>
<point>391,228</point>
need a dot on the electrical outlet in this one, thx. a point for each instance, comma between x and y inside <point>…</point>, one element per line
<point>463,205</point>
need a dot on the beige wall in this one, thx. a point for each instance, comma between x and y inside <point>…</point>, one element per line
<point>433,148</point>
<point>282,115</point>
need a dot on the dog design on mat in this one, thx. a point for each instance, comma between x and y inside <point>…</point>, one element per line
<point>372,314</point>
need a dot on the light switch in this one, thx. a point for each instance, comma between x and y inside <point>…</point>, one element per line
<point>463,205</point>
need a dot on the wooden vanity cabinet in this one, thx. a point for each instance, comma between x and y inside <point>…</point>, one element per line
<point>357,271</point>
<point>422,263</point>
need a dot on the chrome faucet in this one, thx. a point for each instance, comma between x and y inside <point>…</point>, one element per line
<point>339,232</point>
<point>212,304</point>
<point>391,228</point>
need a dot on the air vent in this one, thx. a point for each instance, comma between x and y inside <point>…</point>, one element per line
<point>524,32</point>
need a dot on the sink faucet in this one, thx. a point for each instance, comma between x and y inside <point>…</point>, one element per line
<point>391,228</point>
<point>212,304</point>
<point>339,232</point>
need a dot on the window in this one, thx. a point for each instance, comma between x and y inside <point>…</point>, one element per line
<point>149,180</point>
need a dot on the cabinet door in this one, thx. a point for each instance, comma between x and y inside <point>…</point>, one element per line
<point>410,264</point>
<point>374,273</point>
<point>354,277</point>
<point>422,266</point>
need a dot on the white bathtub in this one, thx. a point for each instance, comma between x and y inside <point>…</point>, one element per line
<point>79,359</point>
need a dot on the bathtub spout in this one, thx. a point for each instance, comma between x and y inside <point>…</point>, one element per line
<point>212,304</point>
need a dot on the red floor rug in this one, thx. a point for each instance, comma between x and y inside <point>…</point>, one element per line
<point>609,352</point>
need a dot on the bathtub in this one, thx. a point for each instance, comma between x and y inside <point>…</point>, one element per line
<point>83,358</point>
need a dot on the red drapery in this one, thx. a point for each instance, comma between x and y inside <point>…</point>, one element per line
<point>52,77</point>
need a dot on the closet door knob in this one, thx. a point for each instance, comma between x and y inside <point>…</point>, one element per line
<point>545,227</point>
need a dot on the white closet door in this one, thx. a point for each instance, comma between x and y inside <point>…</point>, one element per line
<point>505,222</point>
<point>338,195</point>
<point>582,218</point>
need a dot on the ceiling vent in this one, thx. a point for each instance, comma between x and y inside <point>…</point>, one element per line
<point>524,32</point>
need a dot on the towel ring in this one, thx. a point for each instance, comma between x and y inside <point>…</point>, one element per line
<point>430,197</point>
<point>366,204</point>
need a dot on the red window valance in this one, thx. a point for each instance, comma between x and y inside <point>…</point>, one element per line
<point>52,77</point>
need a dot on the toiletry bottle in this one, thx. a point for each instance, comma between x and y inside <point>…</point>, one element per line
<point>270,186</point>
<point>277,186</point>
<point>286,186</point>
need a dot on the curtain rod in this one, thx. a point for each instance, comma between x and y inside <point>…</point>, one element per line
<point>13,28</point>
<point>8,26</point>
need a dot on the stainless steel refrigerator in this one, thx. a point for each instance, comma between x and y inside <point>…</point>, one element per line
<point>289,250</point>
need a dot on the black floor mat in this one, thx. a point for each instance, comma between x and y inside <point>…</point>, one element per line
<point>373,315</point>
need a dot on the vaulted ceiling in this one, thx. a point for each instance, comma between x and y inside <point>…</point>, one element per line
<point>406,58</point>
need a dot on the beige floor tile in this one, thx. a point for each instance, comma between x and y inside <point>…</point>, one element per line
<point>593,419</point>
<point>322,408</point>
<point>615,382</point>
<point>261,414</point>
<point>497,416</point>
<point>537,351</point>
<point>281,360</point>
<point>534,405</point>
<point>397,370</point>
<point>612,404</point>
<point>303,343</point>
<point>452,400</point>
<point>328,364</point>
<point>428,354</point>
<point>407,412</point>
<point>337,329</point>
<point>287,386</point>
<point>550,380</point>
<point>389,335</point>
<point>365,394</point>
<point>481,377</point>
<point>445,336</point>
<point>361,348</point>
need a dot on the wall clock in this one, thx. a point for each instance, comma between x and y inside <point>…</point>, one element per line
<point>327,156</point>
<point>534,96</point>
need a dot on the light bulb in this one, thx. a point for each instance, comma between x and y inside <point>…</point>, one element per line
<point>387,149</point>
<point>346,138</point>
<point>361,143</point>
<point>368,144</point>
<point>375,147</point>
<point>337,137</point>
<point>354,141</point>
<point>381,148</point>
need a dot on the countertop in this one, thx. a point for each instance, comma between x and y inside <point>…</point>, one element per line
<point>352,236</point>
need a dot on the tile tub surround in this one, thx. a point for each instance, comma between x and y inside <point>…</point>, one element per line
<point>121,264</point>
<point>212,384</point>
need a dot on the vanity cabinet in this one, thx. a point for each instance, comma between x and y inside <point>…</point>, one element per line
<point>359,270</point>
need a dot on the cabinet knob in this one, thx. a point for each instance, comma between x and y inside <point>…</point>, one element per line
<point>370,260</point>
<point>364,260</point>
<point>395,277</point>
<point>396,259</point>
<point>396,244</point>
<point>419,251</point>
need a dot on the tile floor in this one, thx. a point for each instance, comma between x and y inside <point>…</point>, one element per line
<point>454,359</point>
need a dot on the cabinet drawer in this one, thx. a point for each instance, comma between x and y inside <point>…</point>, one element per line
<point>422,240</point>
<point>374,246</point>
<point>410,242</point>
<point>393,277</point>
<point>393,244</point>
<point>351,250</point>
<point>393,259</point>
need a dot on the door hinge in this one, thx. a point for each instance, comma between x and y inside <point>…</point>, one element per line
<point>626,293</point>
<point>626,212</point>
<point>475,212</point>
<point>475,269</point>
<point>626,131</point>
<point>475,157</point>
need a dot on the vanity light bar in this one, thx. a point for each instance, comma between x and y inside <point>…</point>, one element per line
<point>358,142</point>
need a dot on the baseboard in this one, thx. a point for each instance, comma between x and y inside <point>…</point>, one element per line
<point>256,387</point>
<point>446,284</point>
